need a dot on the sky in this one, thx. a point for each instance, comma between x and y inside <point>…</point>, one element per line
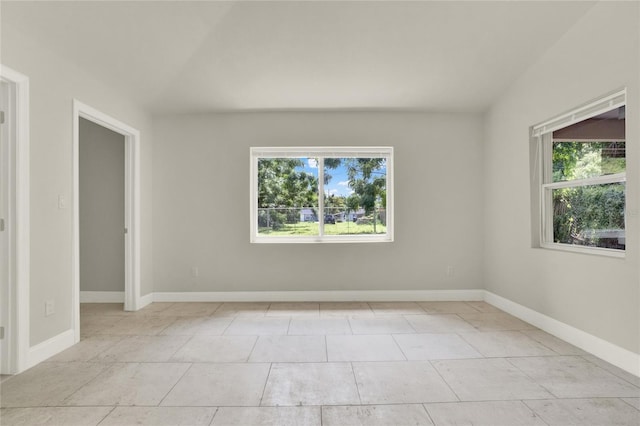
<point>339,183</point>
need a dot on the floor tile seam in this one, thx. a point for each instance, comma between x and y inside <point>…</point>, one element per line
<point>355,382</point>
<point>540,342</point>
<point>264,387</point>
<point>171,358</point>
<point>215,413</point>
<point>620,376</point>
<point>444,380</point>
<point>186,371</point>
<point>86,383</point>
<point>406,358</point>
<point>508,360</point>
<point>629,404</point>
<point>424,407</point>
<point>537,414</point>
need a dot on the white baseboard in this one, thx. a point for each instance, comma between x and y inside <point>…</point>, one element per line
<point>102,297</point>
<point>320,296</point>
<point>613,354</point>
<point>145,300</point>
<point>50,347</point>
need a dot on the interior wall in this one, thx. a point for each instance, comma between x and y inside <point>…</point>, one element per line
<point>201,204</point>
<point>596,294</point>
<point>101,175</point>
<point>54,83</point>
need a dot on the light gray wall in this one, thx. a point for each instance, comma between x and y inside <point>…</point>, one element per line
<point>201,204</point>
<point>596,294</point>
<point>54,83</point>
<point>101,158</point>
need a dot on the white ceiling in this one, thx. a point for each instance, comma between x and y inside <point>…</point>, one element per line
<point>178,56</point>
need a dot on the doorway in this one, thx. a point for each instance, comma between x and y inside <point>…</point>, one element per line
<point>14,221</point>
<point>102,227</point>
<point>87,119</point>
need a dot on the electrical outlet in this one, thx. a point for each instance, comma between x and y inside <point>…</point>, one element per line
<point>62,202</point>
<point>49,308</point>
<point>450,271</point>
<point>195,272</point>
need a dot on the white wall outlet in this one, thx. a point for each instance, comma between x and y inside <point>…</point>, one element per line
<point>49,308</point>
<point>450,271</point>
<point>62,202</point>
<point>195,272</point>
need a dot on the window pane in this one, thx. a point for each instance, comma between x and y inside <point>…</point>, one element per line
<point>582,160</point>
<point>288,196</point>
<point>355,196</point>
<point>590,215</point>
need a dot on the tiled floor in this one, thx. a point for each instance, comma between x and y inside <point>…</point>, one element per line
<point>427,363</point>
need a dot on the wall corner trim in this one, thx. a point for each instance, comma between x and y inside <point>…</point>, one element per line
<point>50,347</point>
<point>613,354</point>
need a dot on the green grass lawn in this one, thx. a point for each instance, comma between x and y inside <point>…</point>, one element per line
<point>311,228</point>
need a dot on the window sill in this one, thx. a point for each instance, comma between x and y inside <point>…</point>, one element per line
<point>323,240</point>
<point>594,251</point>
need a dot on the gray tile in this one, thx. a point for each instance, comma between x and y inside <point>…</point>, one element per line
<point>91,325</point>
<point>363,348</point>
<point>141,325</point>
<point>258,326</point>
<point>400,383</point>
<point>160,416</point>
<point>483,306</point>
<point>418,347</point>
<point>129,384</point>
<point>634,402</point>
<point>574,377</point>
<point>495,322</point>
<point>557,345</point>
<point>447,307</point>
<point>585,412</point>
<point>310,384</point>
<point>87,349</point>
<point>189,326</point>
<point>375,415</point>
<point>505,343</point>
<point>441,323</point>
<point>47,384</point>
<point>198,309</point>
<point>50,416</point>
<point>143,349</point>
<point>490,413</point>
<point>391,325</point>
<point>289,349</point>
<point>242,309</point>
<point>396,308</point>
<point>346,310</point>
<point>102,309</point>
<point>267,416</point>
<point>155,308</point>
<point>319,326</point>
<point>216,349</point>
<point>488,379</point>
<point>294,309</point>
<point>634,380</point>
<point>211,385</point>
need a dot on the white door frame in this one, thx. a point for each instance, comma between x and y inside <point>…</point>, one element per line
<point>131,206</point>
<point>17,224</point>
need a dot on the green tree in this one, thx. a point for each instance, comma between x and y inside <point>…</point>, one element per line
<point>282,189</point>
<point>368,179</point>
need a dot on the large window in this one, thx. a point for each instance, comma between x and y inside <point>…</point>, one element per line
<point>313,194</point>
<point>583,178</point>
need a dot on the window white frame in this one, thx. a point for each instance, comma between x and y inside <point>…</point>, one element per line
<point>542,139</point>
<point>320,153</point>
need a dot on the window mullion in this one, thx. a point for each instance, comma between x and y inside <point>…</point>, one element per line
<point>321,196</point>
